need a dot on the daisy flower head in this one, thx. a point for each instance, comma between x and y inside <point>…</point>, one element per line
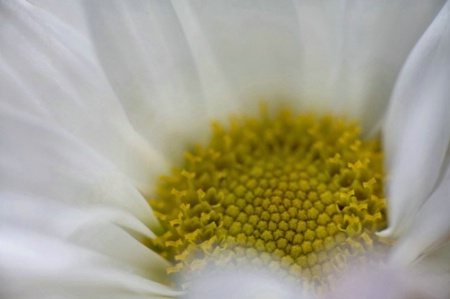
<point>113,184</point>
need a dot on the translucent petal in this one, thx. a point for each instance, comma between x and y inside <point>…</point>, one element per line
<point>167,60</point>
<point>429,229</point>
<point>44,160</point>
<point>417,129</point>
<point>69,12</point>
<point>48,69</point>
<point>242,285</point>
<point>39,266</point>
<point>438,259</point>
<point>147,60</point>
<point>392,282</point>
<point>91,229</point>
<point>352,51</point>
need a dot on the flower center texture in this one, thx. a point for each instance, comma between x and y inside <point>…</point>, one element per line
<point>298,195</point>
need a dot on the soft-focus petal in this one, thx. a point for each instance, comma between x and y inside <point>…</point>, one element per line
<point>391,283</point>
<point>48,69</point>
<point>430,227</point>
<point>242,284</point>
<point>173,66</point>
<point>44,160</point>
<point>167,60</point>
<point>148,62</point>
<point>70,12</point>
<point>34,265</point>
<point>352,51</point>
<point>437,260</point>
<point>91,229</point>
<point>417,129</point>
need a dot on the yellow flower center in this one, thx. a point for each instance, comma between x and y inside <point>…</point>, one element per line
<point>295,194</point>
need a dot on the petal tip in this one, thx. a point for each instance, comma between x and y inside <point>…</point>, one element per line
<point>386,233</point>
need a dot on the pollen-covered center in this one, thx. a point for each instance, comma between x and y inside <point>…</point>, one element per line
<point>294,194</point>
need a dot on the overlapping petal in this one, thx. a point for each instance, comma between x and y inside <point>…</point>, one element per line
<point>91,229</point>
<point>49,70</point>
<point>340,56</point>
<point>63,197</point>
<point>44,160</point>
<point>41,266</point>
<point>429,229</point>
<point>77,146</point>
<point>417,130</point>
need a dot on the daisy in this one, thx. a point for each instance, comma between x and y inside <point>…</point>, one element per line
<point>84,139</point>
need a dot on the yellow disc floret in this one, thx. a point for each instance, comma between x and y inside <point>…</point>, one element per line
<point>295,194</point>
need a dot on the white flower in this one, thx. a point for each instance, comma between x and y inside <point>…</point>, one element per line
<point>82,140</point>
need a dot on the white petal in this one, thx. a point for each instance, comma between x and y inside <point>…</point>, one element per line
<point>146,57</point>
<point>437,260</point>
<point>219,96</point>
<point>332,55</point>
<point>391,282</point>
<point>70,12</point>
<point>242,284</point>
<point>38,266</point>
<point>43,160</point>
<point>340,56</point>
<point>417,130</point>
<point>429,229</point>
<point>89,229</point>
<point>48,69</point>
<point>353,50</point>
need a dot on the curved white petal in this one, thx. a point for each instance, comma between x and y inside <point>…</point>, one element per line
<point>34,265</point>
<point>167,60</point>
<point>147,60</point>
<point>429,229</point>
<point>91,229</point>
<point>352,51</point>
<point>48,69</point>
<point>44,160</point>
<point>417,129</point>
<point>69,12</point>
